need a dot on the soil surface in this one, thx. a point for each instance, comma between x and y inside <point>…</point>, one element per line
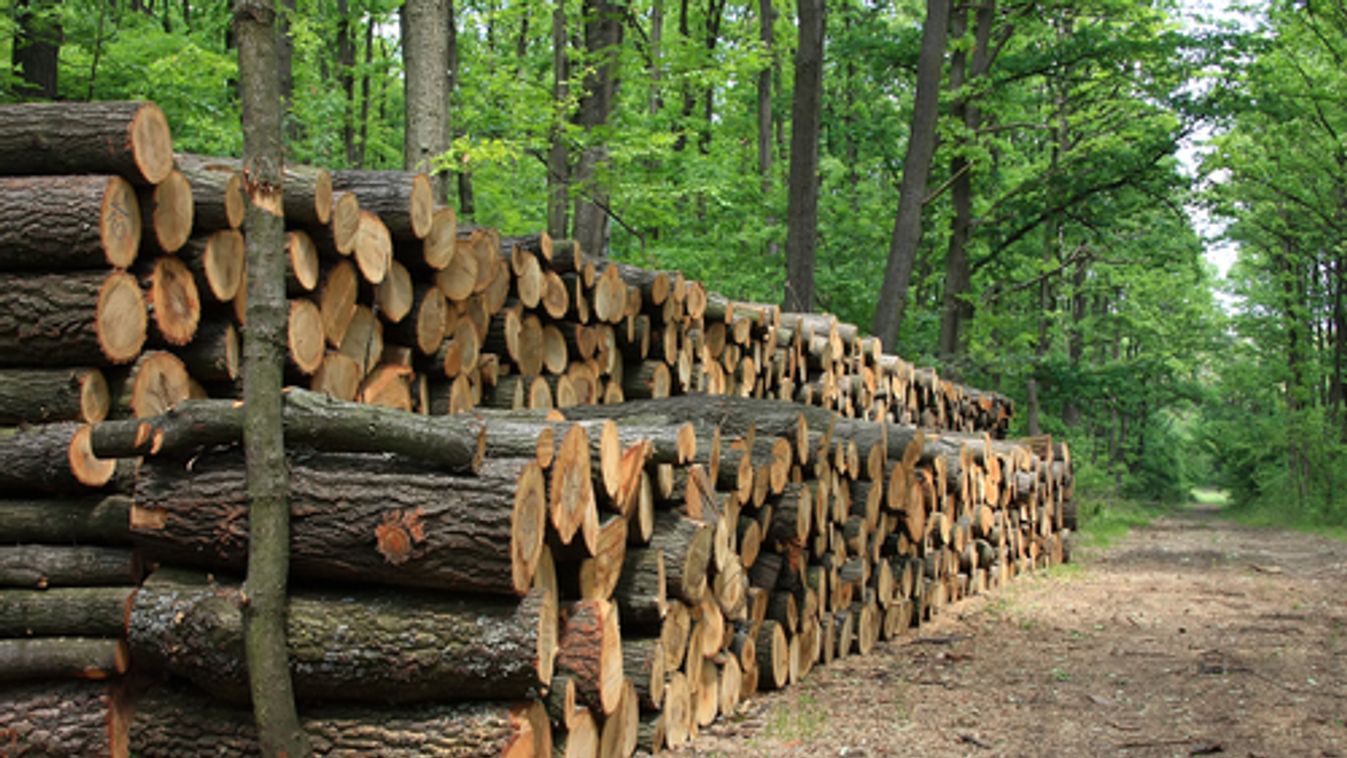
<point>1193,636</point>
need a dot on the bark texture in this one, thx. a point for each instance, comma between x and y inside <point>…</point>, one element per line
<point>130,139</point>
<point>64,718</point>
<point>802,203</point>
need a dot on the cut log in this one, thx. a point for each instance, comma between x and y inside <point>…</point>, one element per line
<point>372,247</point>
<point>640,593</point>
<point>213,354</point>
<point>571,500</point>
<point>678,717</point>
<point>304,336</point>
<point>301,275</point>
<point>394,294</point>
<point>686,545</point>
<point>169,723</point>
<point>339,377</point>
<point>158,382</point>
<point>364,340</point>
<point>79,318</point>
<point>53,459</point>
<point>64,718</point>
<point>169,210</point>
<point>579,740</point>
<point>337,301</point>
<point>97,521</point>
<point>43,566</point>
<point>361,517</point>
<point>173,301</point>
<point>73,611</point>
<point>643,661</point>
<point>618,736</point>
<point>217,260</point>
<point>438,247</point>
<point>404,200</point>
<point>61,658</point>
<point>131,139</point>
<point>45,395</point>
<point>53,223</point>
<point>218,199</point>
<point>590,651</point>
<point>773,656</point>
<point>345,222</point>
<point>351,645</point>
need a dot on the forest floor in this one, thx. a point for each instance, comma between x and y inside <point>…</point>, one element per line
<point>1191,636</point>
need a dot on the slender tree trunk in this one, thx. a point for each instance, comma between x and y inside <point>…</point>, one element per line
<point>98,47</point>
<point>37,46</point>
<point>689,99</point>
<point>715,13</point>
<point>766,18</point>
<point>911,192</point>
<point>425,50</point>
<point>365,92</point>
<point>956,310</point>
<point>285,54</point>
<point>558,166</point>
<point>603,40</point>
<point>263,363</point>
<point>802,201</point>
<point>346,75</point>
<point>1075,335</point>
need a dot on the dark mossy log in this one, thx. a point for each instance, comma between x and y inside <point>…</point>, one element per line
<point>352,645</point>
<point>167,211</point>
<point>402,199</point>
<point>686,544</point>
<point>80,318</point>
<point>65,718</point>
<point>98,521</point>
<point>57,223</point>
<point>589,650</point>
<point>62,658</point>
<point>643,661</point>
<point>362,517</point>
<point>80,611</point>
<point>43,566</point>
<point>173,722</point>
<point>37,395</point>
<point>312,420</point>
<point>131,139</point>
<point>217,191</point>
<point>54,459</point>
<point>640,593</point>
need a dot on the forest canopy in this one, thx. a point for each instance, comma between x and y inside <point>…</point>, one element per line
<point>1005,189</point>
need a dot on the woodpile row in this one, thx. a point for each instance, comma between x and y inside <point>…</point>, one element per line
<point>576,506</point>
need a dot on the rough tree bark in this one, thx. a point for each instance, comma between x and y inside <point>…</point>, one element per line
<point>557,161</point>
<point>37,46</point>
<point>802,204</point>
<point>426,56</point>
<point>263,363</point>
<point>603,41</point>
<point>916,166</point>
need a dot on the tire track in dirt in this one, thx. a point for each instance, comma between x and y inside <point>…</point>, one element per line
<point>1192,636</point>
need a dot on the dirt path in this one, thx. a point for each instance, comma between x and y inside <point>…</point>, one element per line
<point>1193,636</point>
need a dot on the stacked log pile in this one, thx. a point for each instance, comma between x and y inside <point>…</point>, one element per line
<point>575,505</point>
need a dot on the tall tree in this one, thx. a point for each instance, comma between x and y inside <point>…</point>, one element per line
<point>263,360</point>
<point>37,46</point>
<point>603,39</point>
<point>802,202</point>
<point>558,162</point>
<point>912,191</point>
<point>425,51</point>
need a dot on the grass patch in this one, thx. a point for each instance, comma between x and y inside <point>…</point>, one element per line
<point>1274,518</point>
<point>1211,496</point>
<point>1105,520</point>
<point>801,720</point>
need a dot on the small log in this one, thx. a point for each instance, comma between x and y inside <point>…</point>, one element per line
<point>43,566</point>
<point>218,260</point>
<point>394,294</point>
<point>130,139</point>
<point>439,245</point>
<point>64,611</point>
<point>337,301</point>
<point>97,521</point>
<point>169,723</point>
<point>39,395</point>
<point>213,354</point>
<point>173,300</point>
<point>53,459</point>
<point>640,592</point>
<point>55,223</point>
<point>169,210</point>
<point>338,377</point>
<point>303,271</point>
<point>773,651</point>
<point>61,658</point>
<point>404,200</point>
<point>217,191</point>
<point>345,222</point>
<point>579,740</point>
<point>590,651</point>
<point>65,718</point>
<point>351,645</point>
<point>643,661</point>
<point>617,739</point>
<point>158,382</point>
<point>79,318</point>
<point>686,545</point>
<point>304,336</point>
<point>372,247</point>
<point>677,713</point>
<point>361,517</point>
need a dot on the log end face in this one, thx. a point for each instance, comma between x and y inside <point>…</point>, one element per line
<point>160,382</point>
<point>322,196</point>
<point>95,398</point>
<point>373,247</point>
<point>88,469</point>
<point>151,143</point>
<point>173,212</point>
<point>528,526</point>
<point>120,319</point>
<point>119,223</point>
<point>422,206</point>
<point>306,335</point>
<point>177,304</point>
<point>345,222</point>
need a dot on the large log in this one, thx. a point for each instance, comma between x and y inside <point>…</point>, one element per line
<point>62,658</point>
<point>352,645</point>
<point>52,459</point>
<point>40,395</point>
<point>98,521</point>
<point>43,566</point>
<point>403,200</point>
<point>168,209</point>
<point>131,139</point>
<point>55,223</point>
<point>76,319</point>
<point>217,191</point>
<point>360,517</point>
<point>64,718</point>
<point>80,611</point>
<point>170,723</point>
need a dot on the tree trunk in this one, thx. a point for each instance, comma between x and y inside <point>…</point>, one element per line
<point>37,47</point>
<point>128,139</point>
<point>603,40</point>
<point>54,459</point>
<point>68,222</point>
<point>802,205</point>
<point>174,722</point>
<point>766,33</point>
<point>425,50</point>
<point>558,168</point>
<point>217,191</point>
<point>346,76</point>
<point>366,518</point>
<point>403,200</point>
<point>916,165</point>
<point>66,718</point>
<point>370,645</point>
<point>268,548</point>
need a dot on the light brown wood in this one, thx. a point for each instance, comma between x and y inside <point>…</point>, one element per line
<point>169,209</point>
<point>218,260</point>
<point>173,300</point>
<point>372,247</point>
<point>304,269</point>
<point>589,649</point>
<point>305,336</point>
<point>337,301</point>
